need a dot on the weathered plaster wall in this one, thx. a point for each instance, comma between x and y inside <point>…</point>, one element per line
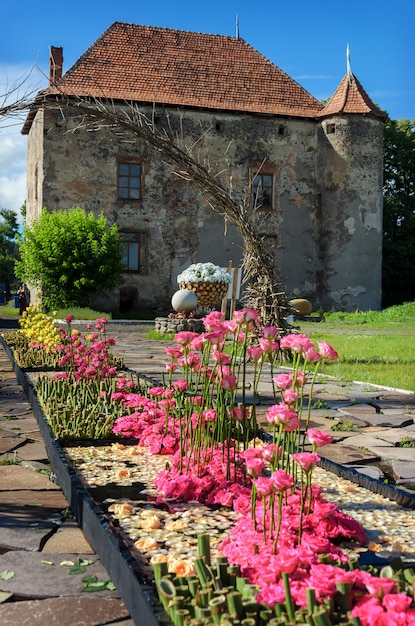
<point>325,213</point>
<point>350,217</point>
<point>34,171</point>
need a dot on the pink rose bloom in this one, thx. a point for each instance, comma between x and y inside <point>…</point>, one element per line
<point>301,379</point>
<point>288,560</point>
<point>264,486</point>
<point>180,385</point>
<point>255,354</point>
<point>268,345</point>
<point>185,337</point>
<point>239,414</point>
<point>282,414</point>
<point>290,396</point>
<point>228,383</point>
<point>174,353</point>
<point>269,453</point>
<point>214,320</point>
<point>189,360</point>
<point>296,343</point>
<point>198,343</point>
<point>220,357</point>
<point>312,355</point>
<point>156,392</point>
<point>209,415</point>
<point>318,437</point>
<point>254,466</point>
<point>380,586</point>
<point>398,602</point>
<point>269,332</point>
<point>307,460</point>
<point>281,480</point>
<point>327,352</point>
<point>215,338</point>
<point>283,381</point>
<point>245,315</point>
<point>69,319</point>
<point>368,610</point>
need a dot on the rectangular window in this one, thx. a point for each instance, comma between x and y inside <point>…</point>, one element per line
<point>133,251</point>
<point>129,181</point>
<point>262,191</point>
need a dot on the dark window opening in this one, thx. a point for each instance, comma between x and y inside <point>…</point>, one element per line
<point>330,129</point>
<point>133,251</point>
<point>129,181</point>
<point>262,191</point>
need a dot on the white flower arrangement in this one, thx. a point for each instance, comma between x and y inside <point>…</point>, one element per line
<point>204,273</point>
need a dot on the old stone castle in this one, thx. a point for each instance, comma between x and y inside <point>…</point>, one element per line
<point>313,172</point>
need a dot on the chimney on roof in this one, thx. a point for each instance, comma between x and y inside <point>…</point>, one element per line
<point>55,65</point>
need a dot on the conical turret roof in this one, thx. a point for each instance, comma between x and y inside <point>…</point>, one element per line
<point>351,98</point>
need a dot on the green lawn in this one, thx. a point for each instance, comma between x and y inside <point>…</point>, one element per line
<point>374,347</point>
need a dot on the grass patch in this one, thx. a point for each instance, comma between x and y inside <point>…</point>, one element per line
<point>80,313</point>
<point>375,347</point>
<point>156,336</point>
<point>399,317</point>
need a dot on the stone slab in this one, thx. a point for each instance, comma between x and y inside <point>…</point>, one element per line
<point>35,579</point>
<point>24,478</point>
<point>357,421</point>
<point>391,435</point>
<point>7,444</point>
<point>17,533</point>
<point>26,503</point>
<point>366,440</point>
<point>395,454</point>
<point>32,451</point>
<point>348,455</point>
<point>361,409</point>
<point>87,611</point>
<point>369,470</point>
<point>404,469</point>
<point>24,425</point>
<point>387,421</point>
<point>68,538</point>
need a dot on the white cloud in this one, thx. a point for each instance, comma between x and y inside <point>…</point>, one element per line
<point>12,170</point>
<point>16,82</point>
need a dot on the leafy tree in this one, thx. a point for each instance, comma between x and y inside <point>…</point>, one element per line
<point>70,256</point>
<point>9,251</point>
<point>399,212</point>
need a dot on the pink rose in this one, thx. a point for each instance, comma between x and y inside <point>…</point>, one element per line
<point>264,486</point>
<point>327,352</point>
<point>307,460</point>
<point>283,381</point>
<point>318,437</point>
<point>398,602</point>
<point>281,480</point>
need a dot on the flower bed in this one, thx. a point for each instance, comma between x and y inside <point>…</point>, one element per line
<point>285,548</point>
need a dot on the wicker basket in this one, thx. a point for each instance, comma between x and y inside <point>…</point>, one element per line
<point>207,293</point>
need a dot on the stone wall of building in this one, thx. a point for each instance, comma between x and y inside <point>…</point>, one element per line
<point>349,172</point>
<point>326,204</point>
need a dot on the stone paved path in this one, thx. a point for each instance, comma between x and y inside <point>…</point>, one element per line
<point>38,537</point>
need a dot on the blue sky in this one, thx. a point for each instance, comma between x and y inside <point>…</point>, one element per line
<point>306,39</point>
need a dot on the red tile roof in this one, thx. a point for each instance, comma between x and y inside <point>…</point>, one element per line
<point>180,68</point>
<point>350,97</point>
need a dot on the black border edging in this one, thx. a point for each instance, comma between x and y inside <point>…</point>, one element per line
<point>123,569</point>
<point>396,494</point>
